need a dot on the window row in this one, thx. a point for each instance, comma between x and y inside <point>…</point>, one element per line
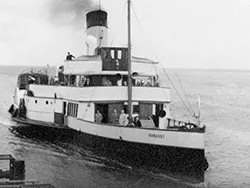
<point>114,53</point>
<point>109,80</point>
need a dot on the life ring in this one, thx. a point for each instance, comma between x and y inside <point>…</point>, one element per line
<point>161,113</point>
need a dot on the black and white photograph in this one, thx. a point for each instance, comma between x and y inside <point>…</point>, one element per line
<point>124,94</point>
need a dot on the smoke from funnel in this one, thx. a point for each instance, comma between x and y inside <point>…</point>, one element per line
<point>70,12</point>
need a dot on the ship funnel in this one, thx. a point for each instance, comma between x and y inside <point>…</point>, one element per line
<point>97,28</point>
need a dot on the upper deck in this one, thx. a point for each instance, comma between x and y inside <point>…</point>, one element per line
<point>112,61</point>
<point>103,77</point>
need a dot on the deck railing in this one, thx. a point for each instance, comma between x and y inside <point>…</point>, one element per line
<point>175,123</point>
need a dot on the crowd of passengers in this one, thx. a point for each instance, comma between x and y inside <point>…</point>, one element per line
<point>119,119</point>
<point>110,80</point>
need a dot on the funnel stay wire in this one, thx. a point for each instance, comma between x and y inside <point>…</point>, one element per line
<point>185,95</point>
<point>187,108</point>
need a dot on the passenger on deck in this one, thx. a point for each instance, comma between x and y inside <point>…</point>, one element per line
<point>61,69</point>
<point>140,83</point>
<point>87,82</point>
<point>123,120</point>
<point>81,81</point>
<point>137,121</point>
<point>61,75</point>
<point>31,80</point>
<point>157,83</point>
<point>114,117</point>
<point>98,117</point>
<point>149,83</point>
<point>119,82</point>
<point>106,82</point>
<point>69,57</point>
<point>109,83</point>
<point>52,81</point>
<point>155,119</point>
<point>56,79</point>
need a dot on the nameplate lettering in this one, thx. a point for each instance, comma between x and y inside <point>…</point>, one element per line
<point>156,135</point>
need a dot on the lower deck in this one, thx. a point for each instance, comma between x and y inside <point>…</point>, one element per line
<point>115,112</point>
<point>56,111</point>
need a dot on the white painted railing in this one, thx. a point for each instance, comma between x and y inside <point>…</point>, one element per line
<point>103,93</point>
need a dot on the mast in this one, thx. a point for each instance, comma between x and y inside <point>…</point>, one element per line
<point>130,107</point>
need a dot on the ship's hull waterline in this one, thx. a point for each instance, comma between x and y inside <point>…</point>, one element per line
<point>187,161</point>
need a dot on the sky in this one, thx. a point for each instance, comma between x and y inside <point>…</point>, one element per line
<point>202,34</point>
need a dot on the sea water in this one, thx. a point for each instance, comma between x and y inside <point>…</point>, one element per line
<point>225,110</point>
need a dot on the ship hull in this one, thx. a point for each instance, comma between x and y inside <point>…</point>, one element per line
<point>186,161</point>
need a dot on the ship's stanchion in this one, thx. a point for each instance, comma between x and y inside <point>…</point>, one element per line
<point>16,168</point>
<point>16,175</point>
<point>168,121</point>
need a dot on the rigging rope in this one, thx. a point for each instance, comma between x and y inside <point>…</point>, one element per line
<point>138,21</point>
<point>176,90</point>
<point>185,95</point>
<point>188,110</point>
<point>144,38</point>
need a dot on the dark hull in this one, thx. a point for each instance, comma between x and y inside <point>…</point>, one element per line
<point>189,162</point>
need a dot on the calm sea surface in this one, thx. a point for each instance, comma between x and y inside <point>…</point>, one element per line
<point>225,108</point>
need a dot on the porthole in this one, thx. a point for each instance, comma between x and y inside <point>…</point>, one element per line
<point>35,101</point>
<point>47,102</point>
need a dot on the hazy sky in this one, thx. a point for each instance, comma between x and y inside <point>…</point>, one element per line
<point>181,33</point>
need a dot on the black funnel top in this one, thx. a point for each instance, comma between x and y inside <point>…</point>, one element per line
<point>97,18</point>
